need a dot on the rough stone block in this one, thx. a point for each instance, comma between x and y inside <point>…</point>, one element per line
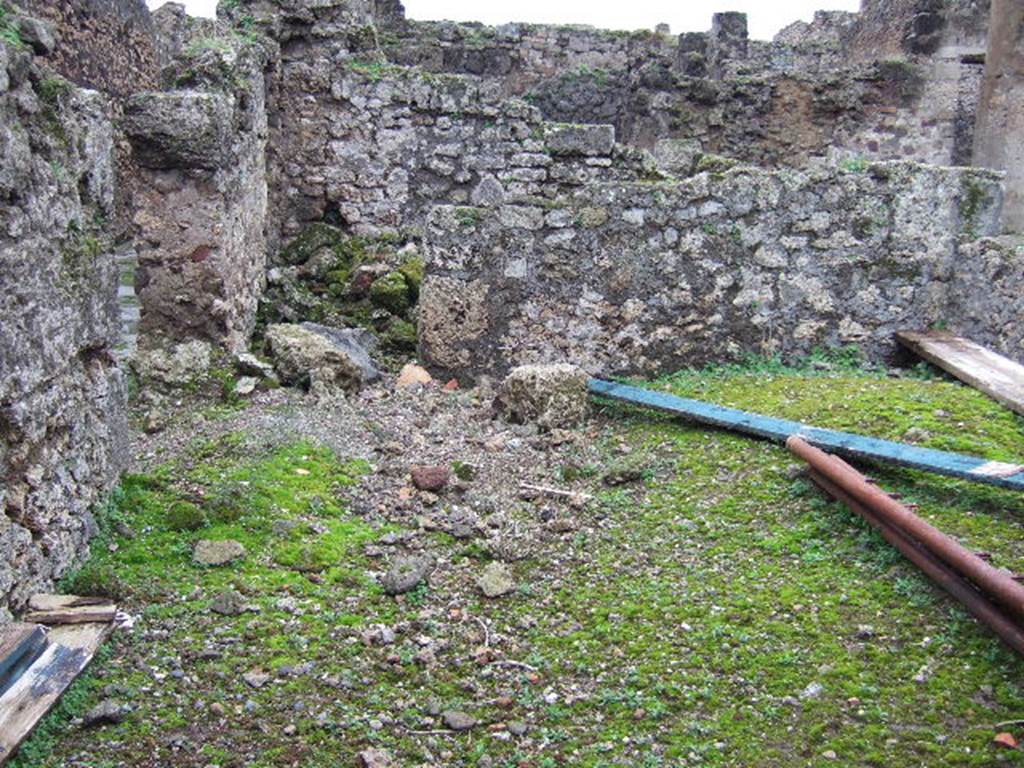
<point>180,129</point>
<point>586,140</point>
<point>322,358</point>
<point>552,396</point>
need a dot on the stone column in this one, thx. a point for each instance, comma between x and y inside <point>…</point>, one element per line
<point>999,136</point>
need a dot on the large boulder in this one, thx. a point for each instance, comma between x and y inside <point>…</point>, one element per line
<point>322,358</point>
<point>552,396</point>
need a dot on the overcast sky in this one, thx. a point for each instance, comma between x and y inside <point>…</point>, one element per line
<point>766,17</point>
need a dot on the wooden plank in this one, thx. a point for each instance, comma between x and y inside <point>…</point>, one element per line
<point>69,651</point>
<point>844,443</point>
<point>69,609</point>
<point>47,602</point>
<point>998,377</point>
<point>20,646</point>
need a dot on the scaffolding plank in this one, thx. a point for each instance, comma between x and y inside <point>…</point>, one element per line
<point>20,645</point>
<point>998,377</point>
<point>69,650</point>
<point>847,444</point>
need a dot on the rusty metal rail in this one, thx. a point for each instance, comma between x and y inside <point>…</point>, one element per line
<point>990,595</point>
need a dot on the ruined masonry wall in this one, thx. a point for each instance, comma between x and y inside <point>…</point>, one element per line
<point>374,147</point>
<point>819,89</point>
<point>648,278</point>
<point>201,206</point>
<point>62,423</point>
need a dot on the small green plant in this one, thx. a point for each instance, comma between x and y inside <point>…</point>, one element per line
<point>10,33</point>
<point>82,247</point>
<point>468,217</point>
<point>373,70</point>
<point>185,516</point>
<point>973,197</point>
<point>854,165</point>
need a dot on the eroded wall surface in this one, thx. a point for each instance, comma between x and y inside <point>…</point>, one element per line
<point>201,204</point>
<point>898,81</point>
<point>646,278</point>
<point>373,148</point>
<point>62,417</point>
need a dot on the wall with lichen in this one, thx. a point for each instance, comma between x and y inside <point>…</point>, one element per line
<point>200,209</point>
<point>62,394</point>
<point>371,147</point>
<point>647,278</point>
<point>816,90</point>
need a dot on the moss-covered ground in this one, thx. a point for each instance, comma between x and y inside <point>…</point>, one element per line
<point>718,611</point>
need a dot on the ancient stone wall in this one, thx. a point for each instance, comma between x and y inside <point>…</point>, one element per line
<point>107,45</point>
<point>62,425</point>
<point>817,90</point>
<point>201,208</point>
<point>646,278</point>
<point>520,56</point>
<point>372,147</point>
<point>1000,137</point>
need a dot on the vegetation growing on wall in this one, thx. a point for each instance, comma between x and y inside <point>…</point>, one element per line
<point>339,280</point>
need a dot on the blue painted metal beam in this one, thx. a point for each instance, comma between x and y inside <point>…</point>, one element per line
<point>844,443</point>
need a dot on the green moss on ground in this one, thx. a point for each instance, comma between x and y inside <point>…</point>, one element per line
<point>713,610</point>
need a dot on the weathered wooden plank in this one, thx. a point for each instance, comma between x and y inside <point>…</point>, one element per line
<point>47,602</point>
<point>20,645</point>
<point>69,609</point>
<point>69,651</point>
<point>844,443</point>
<point>998,377</point>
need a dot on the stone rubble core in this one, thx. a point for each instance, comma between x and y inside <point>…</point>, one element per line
<point>497,196</point>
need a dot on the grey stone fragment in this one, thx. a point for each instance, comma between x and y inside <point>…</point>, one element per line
<point>458,721</point>
<point>573,139</point>
<point>331,358</point>
<point>107,712</point>
<point>228,603</point>
<point>496,580</point>
<point>552,396</point>
<point>256,679</point>
<point>180,129</point>
<point>405,574</point>
<point>375,758</point>
<point>175,366</point>
<point>213,553</point>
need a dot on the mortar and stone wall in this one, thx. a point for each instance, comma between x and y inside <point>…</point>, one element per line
<point>201,203</point>
<point>646,278</point>
<point>545,239</point>
<point>816,90</point>
<point>62,395</point>
<point>372,147</point>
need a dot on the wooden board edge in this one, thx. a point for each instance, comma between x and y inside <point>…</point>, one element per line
<point>18,720</point>
<point>914,341</point>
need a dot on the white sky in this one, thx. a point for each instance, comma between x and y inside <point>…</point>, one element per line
<point>766,17</point>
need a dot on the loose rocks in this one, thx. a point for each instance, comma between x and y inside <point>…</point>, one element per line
<point>458,721</point>
<point>405,574</point>
<point>322,357</point>
<point>215,553</point>
<point>496,580</point>
<point>429,478</point>
<point>552,396</point>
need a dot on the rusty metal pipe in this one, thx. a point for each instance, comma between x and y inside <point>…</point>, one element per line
<point>961,590</point>
<point>996,584</point>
